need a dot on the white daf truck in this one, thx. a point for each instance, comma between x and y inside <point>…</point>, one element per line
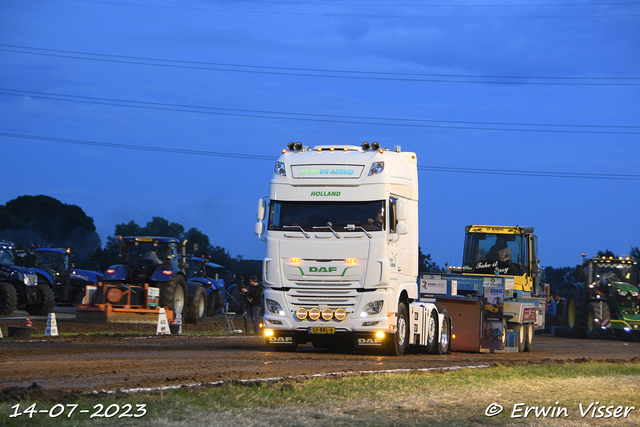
<point>341,261</point>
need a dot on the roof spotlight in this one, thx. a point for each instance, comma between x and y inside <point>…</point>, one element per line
<point>298,146</point>
<point>375,145</point>
<point>290,145</point>
<point>365,146</point>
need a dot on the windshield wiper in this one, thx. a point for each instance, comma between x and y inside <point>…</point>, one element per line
<point>329,225</point>
<point>352,227</point>
<point>298,227</point>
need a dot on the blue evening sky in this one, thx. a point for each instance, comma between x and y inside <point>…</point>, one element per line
<point>520,112</point>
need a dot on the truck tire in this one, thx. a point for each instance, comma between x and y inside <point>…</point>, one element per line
<point>399,341</point>
<point>47,301</point>
<point>573,309</point>
<point>173,295</point>
<point>432,332</point>
<point>521,331</point>
<point>528,345</point>
<point>594,315</point>
<point>196,311</point>
<point>8,298</point>
<point>444,342</point>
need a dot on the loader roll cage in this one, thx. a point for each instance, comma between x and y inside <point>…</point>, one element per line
<point>484,252</point>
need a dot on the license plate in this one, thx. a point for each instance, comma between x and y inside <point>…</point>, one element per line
<point>319,330</point>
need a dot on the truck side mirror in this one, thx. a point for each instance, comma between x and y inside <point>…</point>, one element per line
<point>402,229</point>
<point>262,210</point>
<point>401,210</point>
<point>259,229</point>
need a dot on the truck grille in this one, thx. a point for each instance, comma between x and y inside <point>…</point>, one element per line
<point>302,297</point>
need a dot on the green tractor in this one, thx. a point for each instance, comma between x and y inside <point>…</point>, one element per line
<point>605,299</point>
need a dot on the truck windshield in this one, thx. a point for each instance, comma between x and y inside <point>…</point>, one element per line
<point>484,252</point>
<point>288,216</point>
<point>611,273</point>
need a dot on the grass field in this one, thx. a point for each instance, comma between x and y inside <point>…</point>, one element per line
<point>554,394</point>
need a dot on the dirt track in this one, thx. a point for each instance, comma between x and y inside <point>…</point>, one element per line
<point>84,363</point>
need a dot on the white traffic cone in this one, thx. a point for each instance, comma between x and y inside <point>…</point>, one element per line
<point>1,333</point>
<point>52,326</point>
<point>163,323</point>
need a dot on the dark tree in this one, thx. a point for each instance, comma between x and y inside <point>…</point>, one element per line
<point>426,264</point>
<point>47,222</point>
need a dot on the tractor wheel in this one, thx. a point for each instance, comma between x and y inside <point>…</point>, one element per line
<point>528,345</point>
<point>195,312</point>
<point>573,308</point>
<point>211,303</point>
<point>173,295</point>
<point>8,298</point>
<point>432,332</point>
<point>521,331</point>
<point>444,343</point>
<point>595,315</point>
<point>47,301</point>
<point>397,345</point>
<point>81,297</point>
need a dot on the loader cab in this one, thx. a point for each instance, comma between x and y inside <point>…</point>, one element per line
<point>507,251</point>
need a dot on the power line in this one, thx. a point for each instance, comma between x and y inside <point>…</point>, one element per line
<point>272,158</point>
<point>327,73</point>
<point>362,120</point>
<point>360,15</point>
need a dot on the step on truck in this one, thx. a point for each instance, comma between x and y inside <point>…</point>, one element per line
<point>341,262</point>
<point>496,296</point>
<point>605,299</point>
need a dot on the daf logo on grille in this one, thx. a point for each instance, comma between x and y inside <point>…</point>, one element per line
<point>322,269</point>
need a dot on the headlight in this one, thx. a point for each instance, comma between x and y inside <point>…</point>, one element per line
<point>623,293</point>
<point>376,168</point>
<point>634,294</point>
<point>372,308</point>
<point>274,307</point>
<point>26,280</point>
<point>279,169</point>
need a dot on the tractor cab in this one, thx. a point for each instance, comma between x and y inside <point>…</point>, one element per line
<point>56,262</point>
<point>142,257</point>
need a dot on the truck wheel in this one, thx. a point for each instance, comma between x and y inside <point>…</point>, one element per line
<point>528,345</point>
<point>47,301</point>
<point>572,308</point>
<point>173,295</point>
<point>398,343</point>
<point>521,330</point>
<point>8,298</point>
<point>432,332</point>
<point>195,312</point>
<point>594,316</point>
<point>444,343</point>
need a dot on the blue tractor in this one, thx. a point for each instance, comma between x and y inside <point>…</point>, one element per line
<point>20,286</point>
<point>200,275</point>
<point>151,276</point>
<point>55,268</point>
